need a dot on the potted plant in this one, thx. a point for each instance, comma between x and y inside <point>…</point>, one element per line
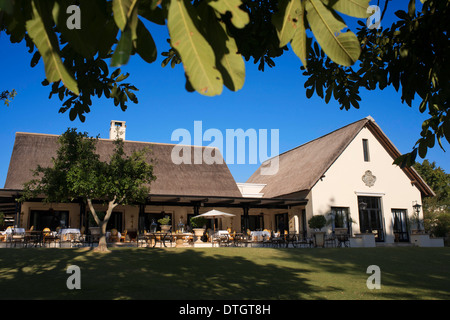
<point>317,222</point>
<point>198,226</point>
<point>165,223</point>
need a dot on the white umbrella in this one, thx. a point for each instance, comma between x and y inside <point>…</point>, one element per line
<point>214,214</point>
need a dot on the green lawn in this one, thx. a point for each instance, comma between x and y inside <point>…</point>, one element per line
<point>226,273</point>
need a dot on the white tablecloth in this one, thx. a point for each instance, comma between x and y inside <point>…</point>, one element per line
<point>69,230</point>
<point>259,235</point>
<point>222,232</point>
<point>16,231</point>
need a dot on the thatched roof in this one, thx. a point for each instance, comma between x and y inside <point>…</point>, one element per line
<point>203,179</point>
<point>301,168</point>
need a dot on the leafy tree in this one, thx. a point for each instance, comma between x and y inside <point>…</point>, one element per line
<point>436,209</point>
<point>7,96</point>
<point>212,38</point>
<point>78,174</point>
<point>412,56</point>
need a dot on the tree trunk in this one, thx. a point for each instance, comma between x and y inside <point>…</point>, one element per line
<point>102,244</point>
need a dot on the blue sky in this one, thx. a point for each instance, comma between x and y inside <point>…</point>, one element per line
<point>273,99</point>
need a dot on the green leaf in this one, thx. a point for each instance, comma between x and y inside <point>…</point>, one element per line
<point>341,47</point>
<point>412,8</point>
<point>145,45</point>
<point>229,62</point>
<point>239,17</point>
<point>7,6</point>
<point>423,149</point>
<point>47,43</point>
<point>123,10</point>
<point>233,66</point>
<point>286,20</point>
<point>196,54</point>
<point>151,13</point>
<point>446,129</point>
<point>122,52</point>
<point>299,42</point>
<point>106,38</point>
<point>353,8</point>
<point>84,40</point>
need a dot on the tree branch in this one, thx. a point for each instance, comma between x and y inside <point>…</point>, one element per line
<point>385,8</point>
<point>91,208</point>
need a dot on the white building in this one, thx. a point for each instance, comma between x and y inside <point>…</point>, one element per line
<point>347,174</point>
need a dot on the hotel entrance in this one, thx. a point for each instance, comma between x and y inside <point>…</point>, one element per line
<point>371,217</point>
<point>41,219</point>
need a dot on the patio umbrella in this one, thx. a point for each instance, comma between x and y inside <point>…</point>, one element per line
<point>214,214</point>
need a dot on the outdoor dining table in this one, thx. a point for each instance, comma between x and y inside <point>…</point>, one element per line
<point>259,235</point>
<point>69,230</point>
<point>33,238</point>
<point>14,235</point>
<point>14,231</point>
<point>163,236</point>
<point>50,237</point>
<point>180,238</point>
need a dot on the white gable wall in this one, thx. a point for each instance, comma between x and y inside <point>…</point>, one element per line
<point>343,182</point>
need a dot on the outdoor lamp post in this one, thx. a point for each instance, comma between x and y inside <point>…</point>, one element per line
<point>362,205</point>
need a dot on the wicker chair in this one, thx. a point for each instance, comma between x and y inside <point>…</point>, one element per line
<point>114,237</point>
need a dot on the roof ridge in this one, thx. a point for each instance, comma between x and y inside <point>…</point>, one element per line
<point>104,139</point>
<point>369,118</point>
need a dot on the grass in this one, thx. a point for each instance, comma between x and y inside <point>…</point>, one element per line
<point>226,273</point>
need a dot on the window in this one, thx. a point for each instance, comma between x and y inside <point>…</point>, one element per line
<point>52,219</point>
<point>371,216</point>
<point>366,150</point>
<point>282,222</point>
<point>400,225</point>
<point>340,218</point>
<point>255,222</point>
<point>114,222</point>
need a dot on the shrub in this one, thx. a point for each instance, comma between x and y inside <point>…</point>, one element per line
<point>317,222</point>
<point>164,221</point>
<point>197,222</point>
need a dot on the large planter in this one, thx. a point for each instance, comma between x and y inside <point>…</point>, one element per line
<point>165,227</point>
<point>198,233</point>
<point>319,237</point>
